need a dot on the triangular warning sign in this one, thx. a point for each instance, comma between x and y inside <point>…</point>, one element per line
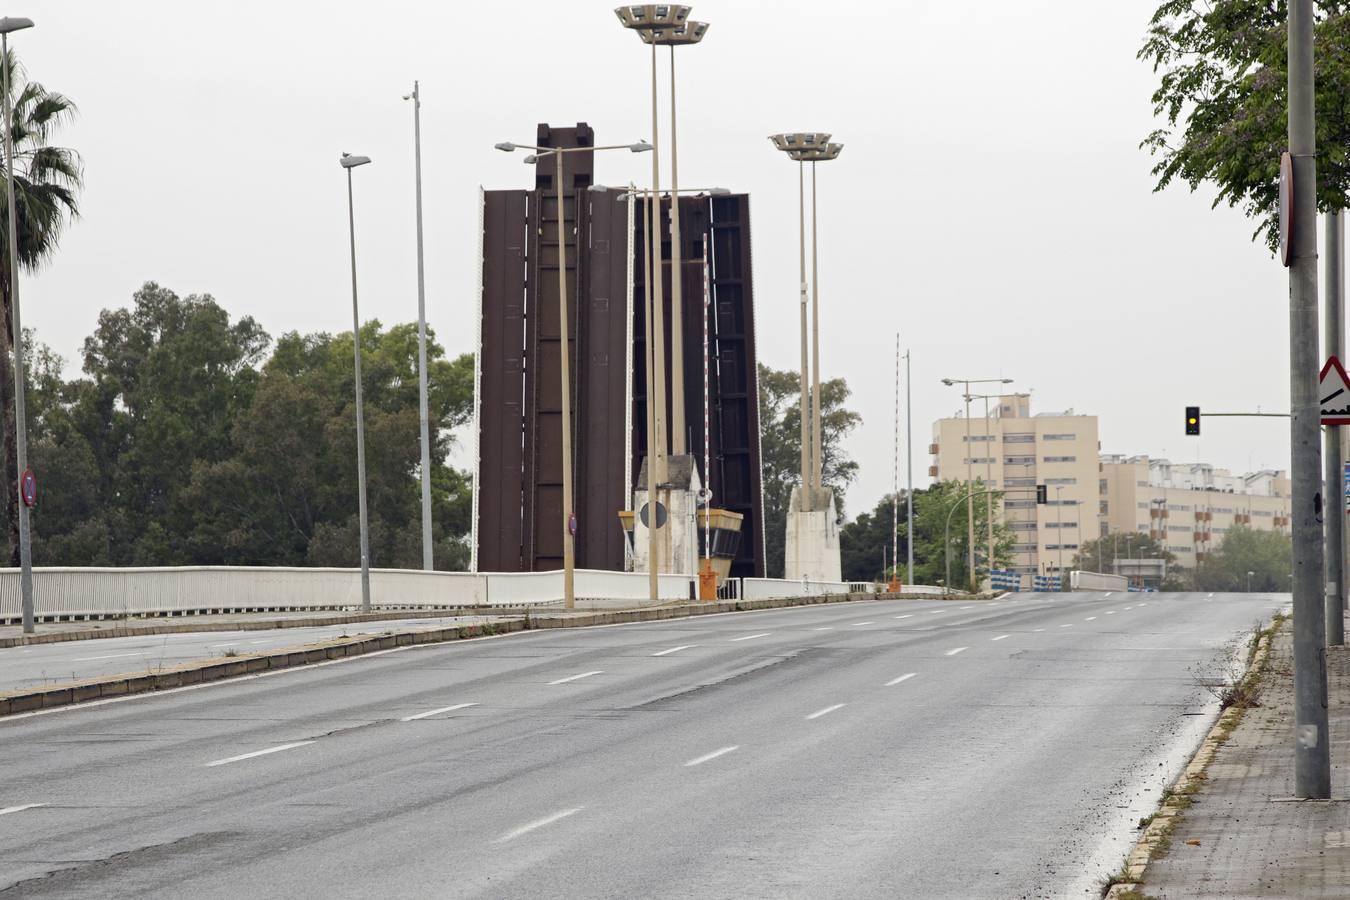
<point>1333,391</point>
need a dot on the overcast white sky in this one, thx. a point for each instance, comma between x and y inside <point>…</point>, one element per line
<point>990,205</point>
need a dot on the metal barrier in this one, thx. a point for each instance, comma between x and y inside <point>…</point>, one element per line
<point>762,588</point>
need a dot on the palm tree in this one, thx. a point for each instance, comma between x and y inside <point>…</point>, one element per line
<point>47,182</point>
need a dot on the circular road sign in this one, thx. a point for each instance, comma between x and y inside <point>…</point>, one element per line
<point>1286,205</point>
<point>28,487</point>
<point>660,515</point>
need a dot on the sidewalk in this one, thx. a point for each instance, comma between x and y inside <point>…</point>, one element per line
<point>1243,838</point>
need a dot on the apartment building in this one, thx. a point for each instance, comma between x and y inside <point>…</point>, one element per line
<point>1188,506</point>
<point>1013,450</point>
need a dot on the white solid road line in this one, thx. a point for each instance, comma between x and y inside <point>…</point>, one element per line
<point>955,651</point>
<point>906,677</point>
<point>436,712</point>
<point>575,677</point>
<point>109,656</point>
<point>243,756</point>
<point>700,760</point>
<point>826,711</point>
<point>539,823</point>
<point>13,809</point>
<point>906,616</point>
<point>749,637</point>
<point>675,649</point>
<point>1000,637</point>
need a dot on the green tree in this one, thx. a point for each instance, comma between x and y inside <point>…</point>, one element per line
<point>1222,90</point>
<point>47,182</point>
<point>1101,554</point>
<point>288,495</point>
<point>941,503</point>
<point>780,450</point>
<point>1268,555</point>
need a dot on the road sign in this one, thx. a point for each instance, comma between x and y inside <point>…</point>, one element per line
<point>1333,390</point>
<point>1286,205</point>
<point>28,486</point>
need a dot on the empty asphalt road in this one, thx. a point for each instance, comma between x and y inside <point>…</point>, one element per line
<point>882,749</point>
<point>41,665</point>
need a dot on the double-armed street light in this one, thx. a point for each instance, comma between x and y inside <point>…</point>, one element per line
<point>350,162</point>
<point>565,383</point>
<point>970,504</point>
<point>667,25</point>
<point>22,475</point>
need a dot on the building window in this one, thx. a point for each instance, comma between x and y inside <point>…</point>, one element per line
<point>980,437</point>
<point>1019,439</point>
<point>1179,548</point>
<point>1020,504</point>
<point>1059,437</point>
<point>1059,459</point>
<point>1022,526</point>
<point>1061,481</point>
<point>1178,507</point>
<point>979,460</point>
<point>1019,460</point>
<point>1020,482</point>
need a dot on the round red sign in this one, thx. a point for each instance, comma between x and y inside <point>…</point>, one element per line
<point>28,487</point>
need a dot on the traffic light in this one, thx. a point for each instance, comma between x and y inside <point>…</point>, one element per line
<point>1041,492</point>
<point>1193,420</point>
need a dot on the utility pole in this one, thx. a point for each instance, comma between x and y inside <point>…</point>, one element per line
<point>1334,306</point>
<point>1312,757</point>
<point>423,414</point>
<point>909,491</point>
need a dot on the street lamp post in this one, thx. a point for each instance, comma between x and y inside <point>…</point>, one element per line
<point>1249,581</point>
<point>812,147</point>
<point>564,362</point>
<point>8,25</point>
<point>970,503</point>
<point>423,406</point>
<point>669,26</point>
<point>350,162</point>
<point>1059,527</point>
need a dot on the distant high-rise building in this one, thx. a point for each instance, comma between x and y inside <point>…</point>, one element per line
<point>1013,451</point>
<point>1189,507</point>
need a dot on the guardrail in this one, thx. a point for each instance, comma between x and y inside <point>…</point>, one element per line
<point>65,593</point>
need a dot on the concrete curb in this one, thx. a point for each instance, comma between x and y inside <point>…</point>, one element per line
<point>181,627</point>
<point>1164,819</point>
<point>28,700</point>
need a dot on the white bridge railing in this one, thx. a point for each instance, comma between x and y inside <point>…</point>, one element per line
<point>71,592</point>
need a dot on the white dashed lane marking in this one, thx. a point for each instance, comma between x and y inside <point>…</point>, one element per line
<point>538,823</point>
<point>436,712</point>
<point>575,677</point>
<point>243,756</point>
<point>906,677</point>
<point>700,760</point>
<point>750,637</point>
<point>826,711</point>
<point>956,650</point>
<point>674,649</point>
